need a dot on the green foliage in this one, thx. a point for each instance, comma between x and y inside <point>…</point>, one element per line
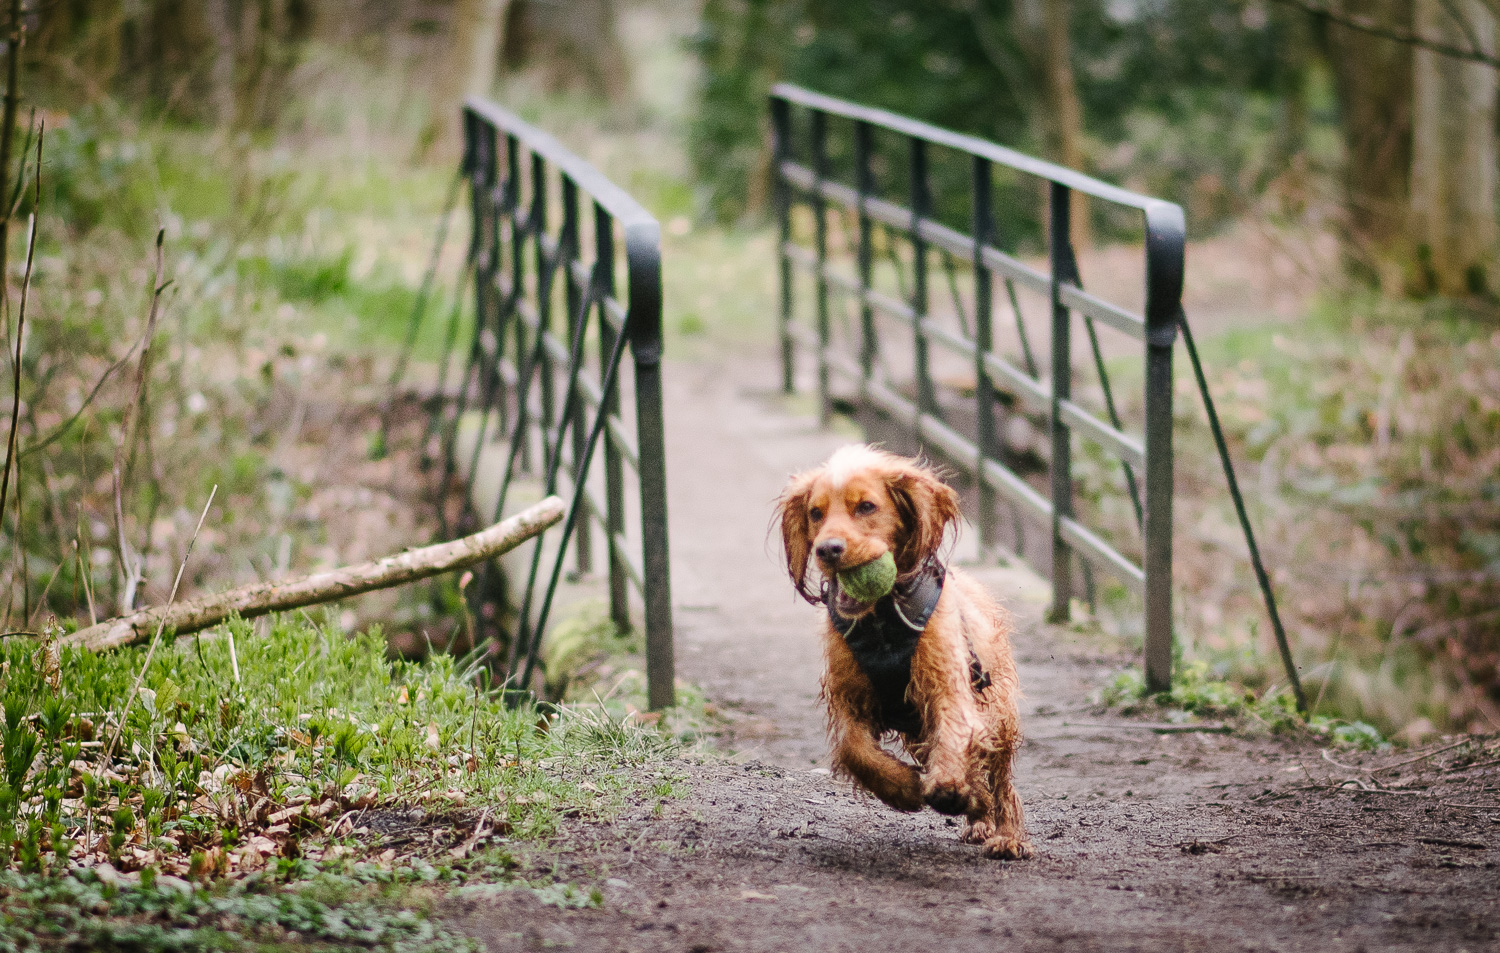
<point>1197,692</point>
<point>332,910</point>
<point>1373,431</point>
<point>1200,101</point>
<point>311,711</point>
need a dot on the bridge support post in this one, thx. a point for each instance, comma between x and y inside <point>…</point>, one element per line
<point>820,244</point>
<point>781,132</point>
<point>984,395</point>
<point>1061,258</point>
<point>1165,236</point>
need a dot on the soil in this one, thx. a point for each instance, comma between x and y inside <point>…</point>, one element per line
<point>1146,840</point>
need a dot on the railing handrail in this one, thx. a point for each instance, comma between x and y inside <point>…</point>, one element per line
<point>615,200</point>
<point>973,145</point>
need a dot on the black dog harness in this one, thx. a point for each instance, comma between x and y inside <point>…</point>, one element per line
<point>884,639</point>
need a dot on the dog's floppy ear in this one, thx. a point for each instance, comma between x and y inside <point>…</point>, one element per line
<point>796,540</point>
<point>926,505</point>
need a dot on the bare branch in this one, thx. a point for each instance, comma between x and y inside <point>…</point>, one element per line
<point>14,45</point>
<point>11,461</point>
<point>127,437</point>
<point>266,597</point>
<point>1354,21</point>
<point>61,429</point>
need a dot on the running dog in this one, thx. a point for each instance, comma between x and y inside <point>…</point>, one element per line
<point>930,661</point>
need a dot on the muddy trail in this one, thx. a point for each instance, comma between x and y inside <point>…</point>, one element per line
<point>1145,840</point>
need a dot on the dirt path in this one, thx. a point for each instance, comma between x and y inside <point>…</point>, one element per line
<point>1145,841</point>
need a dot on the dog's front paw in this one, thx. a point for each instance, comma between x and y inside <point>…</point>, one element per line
<point>947,797</point>
<point>977,832</point>
<point>1007,847</point>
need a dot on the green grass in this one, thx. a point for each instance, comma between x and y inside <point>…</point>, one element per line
<point>297,906</point>
<point>253,768</point>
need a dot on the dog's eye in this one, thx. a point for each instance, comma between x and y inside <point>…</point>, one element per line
<point>815,514</point>
<point>865,508</point>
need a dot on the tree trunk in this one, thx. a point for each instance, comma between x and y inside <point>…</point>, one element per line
<point>469,69</point>
<point>1454,153</point>
<point>1065,110</point>
<point>574,45</point>
<point>1058,117</point>
<point>1373,79</point>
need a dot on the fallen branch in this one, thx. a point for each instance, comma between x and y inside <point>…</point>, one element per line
<point>266,597</point>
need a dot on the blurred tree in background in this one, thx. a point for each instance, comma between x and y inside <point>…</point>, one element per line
<point>1383,110</point>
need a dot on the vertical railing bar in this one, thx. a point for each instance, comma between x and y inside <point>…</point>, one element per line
<point>1114,414</point>
<point>490,375</point>
<point>1066,273</point>
<point>484,297</point>
<point>921,207</point>
<point>577,329</point>
<point>984,397</point>
<point>518,236</point>
<point>502,232</point>
<point>1061,437</point>
<point>897,265</point>
<point>445,364</point>
<point>1289,665</point>
<point>864,184</point>
<point>545,426</point>
<point>1026,352</point>
<point>1165,240</point>
<point>614,476</point>
<point>531,641</point>
<point>819,145</point>
<point>781,131</point>
<point>525,633</point>
<point>958,303</point>
<point>448,446</point>
<point>643,257</point>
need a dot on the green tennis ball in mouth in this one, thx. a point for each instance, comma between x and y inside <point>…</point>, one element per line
<point>870,581</point>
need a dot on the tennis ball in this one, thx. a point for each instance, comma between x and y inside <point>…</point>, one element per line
<point>870,581</point>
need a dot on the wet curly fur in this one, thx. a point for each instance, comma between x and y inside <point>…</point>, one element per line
<point>860,504</point>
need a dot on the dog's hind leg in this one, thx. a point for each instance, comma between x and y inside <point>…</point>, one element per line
<point>1004,832</point>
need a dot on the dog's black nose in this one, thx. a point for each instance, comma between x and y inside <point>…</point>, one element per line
<point>829,550</point>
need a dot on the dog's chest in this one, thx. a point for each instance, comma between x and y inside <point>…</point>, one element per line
<point>884,640</point>
<point>883,652</point>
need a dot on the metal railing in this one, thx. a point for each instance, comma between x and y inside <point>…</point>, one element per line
<point>1146,460</point>
<point>998,382</point>
<point>545,374</point>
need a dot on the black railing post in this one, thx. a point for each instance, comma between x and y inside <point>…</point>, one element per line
<point>921,208</point>
<point>1165,237</point>
<point>509,325</point>
<point>781,132</point>
<point>984,396</point>
<point>546,424</point>
<point>614,477</point>
<point>1060,259</point>
<point>578,325</point>
<point>820,248</point>
<point>864,183</point>
<point>643,255</point>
